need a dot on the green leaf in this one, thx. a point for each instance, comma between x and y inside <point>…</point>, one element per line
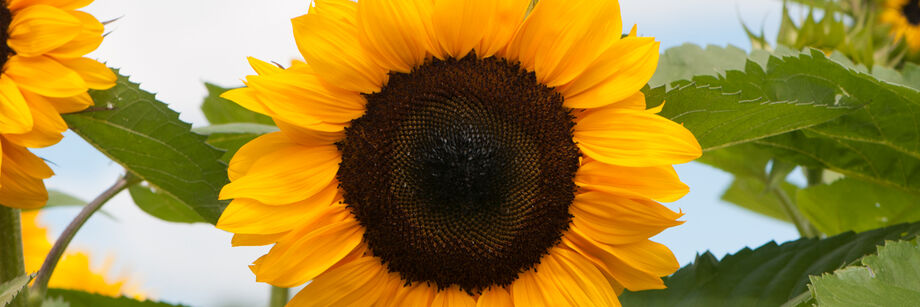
<point>849,204</point>
<point>236,128</point>
<point>745,106</point>
<point>84,299</point>
<point>688,60</point>
<point>148,139</point>
<point>880,142</point>
<point>61,199</point>
<point>766,276</point>
<point>230,137</point>
<point>889,278</point>
<point>9,289</point>
<point>55,302</point>
<point>752,194</point>
<point>162,205</point>
<point>222,111</point>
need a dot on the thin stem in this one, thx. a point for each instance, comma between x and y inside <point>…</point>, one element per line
<point>44,274</point>
<point>815,176</point>
<point>11,260</point>
<point>279,297</point>
<point>806,230</point>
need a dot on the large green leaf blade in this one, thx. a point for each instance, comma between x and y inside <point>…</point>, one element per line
<point>766,276</point>
<point>162,206</point>
<point>853,205</point>
<point>736,109</point>
<point>147,138</point>
<point>84,299</point>
<point>889,278</point>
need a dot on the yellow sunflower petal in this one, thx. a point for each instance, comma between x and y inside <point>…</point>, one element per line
<point>634,138</point>
<point>15,116</point>
<point>44,76</point>
<point>495,296</point>
<point>37,29</point>
<point>293,263</point>
<point>71,104</point>
<point>341,10</point>
<point>526,292</point>
<point>21,175</point>
<point>333,51</point>
<point>396,33</point>
<point>568,279</point>
<point>291,174</point>
<point>652,258</point>
<point>247,98</point>
<point>248,216</point>
<point>617,220</point>
<point>308,137</point>
<point>624,266</point>
<point>89,38</point>
<point>96,75</point>
<point>620,72</point>
<point>353,284</point>
<point>303,99</point>
<point>505,18</point>
<point>459,25</point>
<point>47,128</point>
<point>254,150</point>
<point>451,297</point>
<point>561,38</point>
<point>262,67</point>
<point>658,182</point>
<point>242,239</point>
<point>62,4</point>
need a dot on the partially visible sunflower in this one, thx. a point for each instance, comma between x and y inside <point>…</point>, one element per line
<point>459,152</point>
<point>904,18</point>
<point>73,271</point>
<point>44,73</point>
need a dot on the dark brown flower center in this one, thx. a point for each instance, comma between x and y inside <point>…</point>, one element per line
<point>461,172</point>
<point>911,11</point>
<point>6,17</point>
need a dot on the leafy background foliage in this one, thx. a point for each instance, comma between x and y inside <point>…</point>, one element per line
<point>148,139</point>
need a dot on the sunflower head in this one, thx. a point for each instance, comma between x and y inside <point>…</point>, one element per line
<point>904,18</point>
<point>42,73</point>
<point>458,151</point>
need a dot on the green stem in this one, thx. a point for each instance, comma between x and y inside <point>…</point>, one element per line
<point>11,260</point>
<point>279,297</point>
<point>815,176</point>
<point>44,274</point>
<point>806,230</point>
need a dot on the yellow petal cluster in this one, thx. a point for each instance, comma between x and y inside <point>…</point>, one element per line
<point>44,74</point>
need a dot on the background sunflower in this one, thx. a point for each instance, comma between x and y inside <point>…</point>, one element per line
<point>904,18</point>
<point>44,73</point>
<point>74,271</point>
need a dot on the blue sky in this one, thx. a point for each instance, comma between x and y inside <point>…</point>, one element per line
<point>172,46</point>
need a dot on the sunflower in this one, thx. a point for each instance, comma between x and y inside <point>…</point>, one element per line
<point>456,152</point>
<point>73,272</point>
<point>904,18</point>
<point>44,73</point>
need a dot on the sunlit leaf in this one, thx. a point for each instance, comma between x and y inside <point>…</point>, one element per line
<point>162,206</point>
<point>850,204</point>
<point>768,275</point>
<point>147,138</point>
<point>9,289</point>
<point>879,142</point>
<point>889,278</point>
<point>84,299</point>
